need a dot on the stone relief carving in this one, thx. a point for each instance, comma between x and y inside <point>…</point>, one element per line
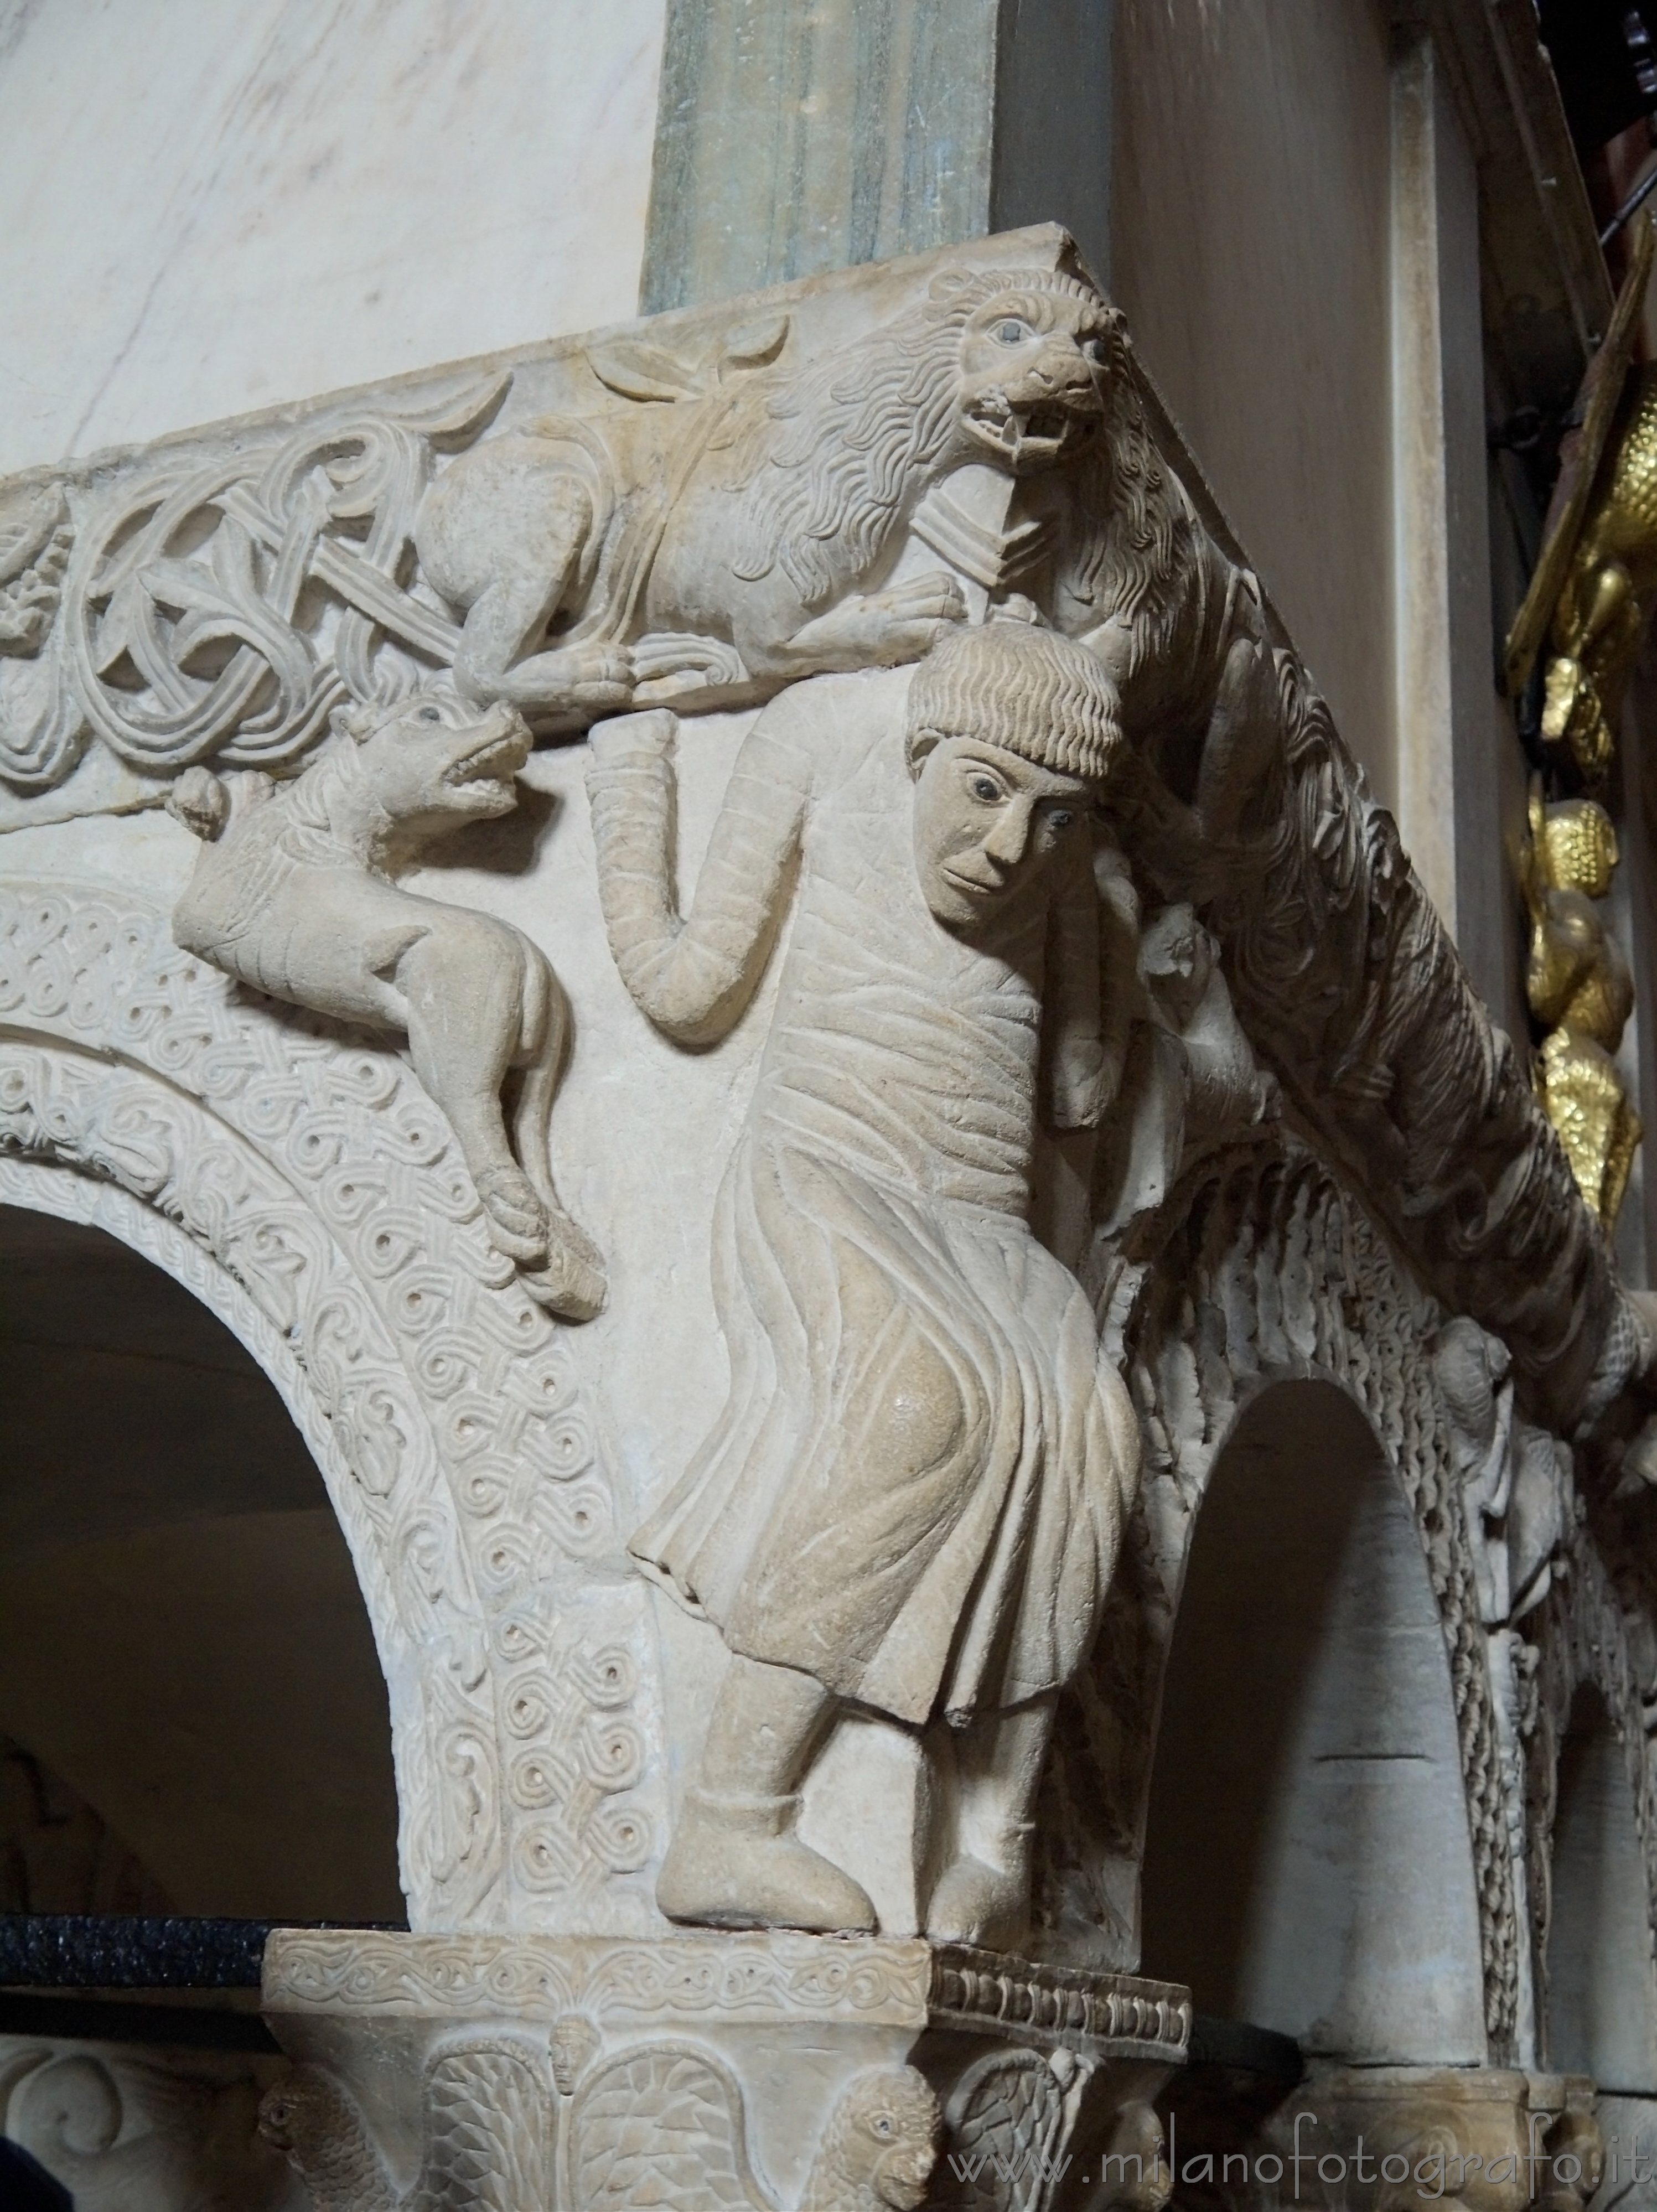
<point>1190,1084</point>
<point>1347,984</point>
<point>751,1978</point>
<point>127,2133</point>
<point>318,1177</point>
<point>295,894</point>
<point>1263,1267</point>
<point>223,611</point>
<point>757,2069</point>
<point>669,2116</point>
<point>35,537</point>
<point>736,513</point>
<point>700,525</point>
<point>971,482</point>
<point>484,2149</point>
<point>915,1495</point>
<point>755,488</point>
<point>657,2116</point>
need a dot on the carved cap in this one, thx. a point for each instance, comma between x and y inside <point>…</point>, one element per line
<point>1022,688</point>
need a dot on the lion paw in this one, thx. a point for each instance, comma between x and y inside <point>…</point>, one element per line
<point>517,1217</point>
<point>903,622</point>
<point>571,1283</point>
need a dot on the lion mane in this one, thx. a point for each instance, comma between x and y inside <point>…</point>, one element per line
<point>823,466</point>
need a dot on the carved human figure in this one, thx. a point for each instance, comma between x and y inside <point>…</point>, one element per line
<point>1476,1389</point>
<point>914,1497</point>
<point>294,892</point>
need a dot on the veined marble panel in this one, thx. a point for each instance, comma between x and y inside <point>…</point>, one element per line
<point>236,205</point>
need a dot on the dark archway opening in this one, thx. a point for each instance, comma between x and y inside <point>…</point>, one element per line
<point>192,1712</point>
<point>1308,1866</point>
<point>1601,2016</point>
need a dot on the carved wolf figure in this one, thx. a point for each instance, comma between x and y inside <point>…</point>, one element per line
<point>737,527</point>
<point>294,893</point>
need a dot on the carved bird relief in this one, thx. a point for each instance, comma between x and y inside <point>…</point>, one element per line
<point>663,2124</point>
<point>659,2125</point>
<point>485,2112</point>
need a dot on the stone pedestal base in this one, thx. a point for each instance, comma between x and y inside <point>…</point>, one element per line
<point>743,2073</point>
<point>1384,2138</point>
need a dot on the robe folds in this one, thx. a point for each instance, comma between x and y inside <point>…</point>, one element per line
<point>915,1492</point>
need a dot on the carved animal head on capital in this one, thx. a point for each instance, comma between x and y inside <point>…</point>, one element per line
<point>397,775</point>
<point>1027,370</point>
<point>878,2147</point>
<point>310,2119</point>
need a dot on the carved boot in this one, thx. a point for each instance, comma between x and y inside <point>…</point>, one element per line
<point>736,1862</point>
<point>988,1904</point>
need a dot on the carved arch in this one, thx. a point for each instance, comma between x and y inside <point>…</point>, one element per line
<point>1596,1633</point>
<point>298,1178</point>
<point>1266,1271</point>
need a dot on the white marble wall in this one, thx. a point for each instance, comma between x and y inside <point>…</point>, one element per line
<point>237,202</point>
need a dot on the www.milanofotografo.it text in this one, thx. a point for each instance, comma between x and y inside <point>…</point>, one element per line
<point>1440,2172</point>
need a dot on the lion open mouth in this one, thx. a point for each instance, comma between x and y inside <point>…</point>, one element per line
<point>1030,436</point>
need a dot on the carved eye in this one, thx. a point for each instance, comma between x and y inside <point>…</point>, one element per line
<point>1092,352</point>
<point>1012,331</point>
<point>1061,817</point>
<point>986,788</point>
<point>429,714</point>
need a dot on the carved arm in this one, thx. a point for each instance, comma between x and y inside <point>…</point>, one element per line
<point>693,977</point>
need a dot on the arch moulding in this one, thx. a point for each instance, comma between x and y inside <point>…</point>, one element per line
<point>271,1167</point>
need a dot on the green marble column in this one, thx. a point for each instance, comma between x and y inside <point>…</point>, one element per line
<point>798,135</point>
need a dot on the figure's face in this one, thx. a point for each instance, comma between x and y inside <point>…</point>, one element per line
<point>986,823</point>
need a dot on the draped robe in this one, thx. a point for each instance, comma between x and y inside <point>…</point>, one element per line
<point>915,1491</point>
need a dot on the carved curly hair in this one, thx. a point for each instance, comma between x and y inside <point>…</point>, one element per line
<point>823,466</point>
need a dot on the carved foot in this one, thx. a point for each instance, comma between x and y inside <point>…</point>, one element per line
<point>517,1218</point>
<point>736,1862</point>
<point>572,1282</point>
<point>976,1903</point>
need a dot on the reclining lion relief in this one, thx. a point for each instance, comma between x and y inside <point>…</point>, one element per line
<point>294,893</point>
<point>738,525</point>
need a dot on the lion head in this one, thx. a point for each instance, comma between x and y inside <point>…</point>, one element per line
<point>1030,371</point>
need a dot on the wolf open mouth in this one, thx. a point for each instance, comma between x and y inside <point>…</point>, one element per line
<point>496,761</point>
